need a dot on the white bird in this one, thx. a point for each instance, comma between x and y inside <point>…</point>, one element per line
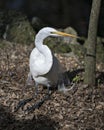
<point>45,68</point>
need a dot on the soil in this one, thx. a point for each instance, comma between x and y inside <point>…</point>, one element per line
<point>82,108</point>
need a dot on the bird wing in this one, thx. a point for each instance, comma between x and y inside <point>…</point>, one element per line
<point>55,73</point>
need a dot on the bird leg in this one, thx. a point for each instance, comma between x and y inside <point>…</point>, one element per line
<point>35,106</point>
<point>29,80</point>
<point>38,104</point>
<point>25,101</point>
<point>36,89</point>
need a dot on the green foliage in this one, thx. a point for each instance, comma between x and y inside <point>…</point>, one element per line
<point>57,45</point>
<point>16,27</point>
<point>77,79</point>
<point>21,32</point>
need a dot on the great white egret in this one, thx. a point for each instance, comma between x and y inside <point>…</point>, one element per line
<point>45,68</point>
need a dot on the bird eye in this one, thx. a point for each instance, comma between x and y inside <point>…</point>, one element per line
<point>53,32</point>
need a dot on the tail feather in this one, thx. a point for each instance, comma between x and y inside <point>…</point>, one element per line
<point>66,79</point>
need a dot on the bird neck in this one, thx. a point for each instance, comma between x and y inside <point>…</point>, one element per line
<point>45,51</point>
<point>39,43</point>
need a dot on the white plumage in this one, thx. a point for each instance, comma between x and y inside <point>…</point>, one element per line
<point>45,68</point>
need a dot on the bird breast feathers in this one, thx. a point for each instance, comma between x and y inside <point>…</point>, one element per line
<point>37,63</point>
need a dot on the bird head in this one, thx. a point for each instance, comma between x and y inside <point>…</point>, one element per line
<point>48,31</point>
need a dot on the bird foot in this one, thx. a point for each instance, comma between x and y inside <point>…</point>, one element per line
<point>37,105</point>
<point>22,103</point>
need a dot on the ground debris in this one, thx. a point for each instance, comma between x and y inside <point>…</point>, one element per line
<point>80,109</point>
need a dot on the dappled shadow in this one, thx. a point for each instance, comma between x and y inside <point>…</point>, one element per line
<point>8,122</point>
<point>72,74</point>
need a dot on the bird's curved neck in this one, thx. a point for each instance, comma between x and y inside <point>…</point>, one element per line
<point>39,43</point>
<point>45,51</point>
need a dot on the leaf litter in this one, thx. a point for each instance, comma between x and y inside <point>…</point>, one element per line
<point>81,108</point>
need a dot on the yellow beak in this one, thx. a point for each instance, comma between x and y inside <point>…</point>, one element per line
<point>66,34</point>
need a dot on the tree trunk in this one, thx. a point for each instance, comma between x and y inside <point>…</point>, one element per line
<point>90,59</point>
